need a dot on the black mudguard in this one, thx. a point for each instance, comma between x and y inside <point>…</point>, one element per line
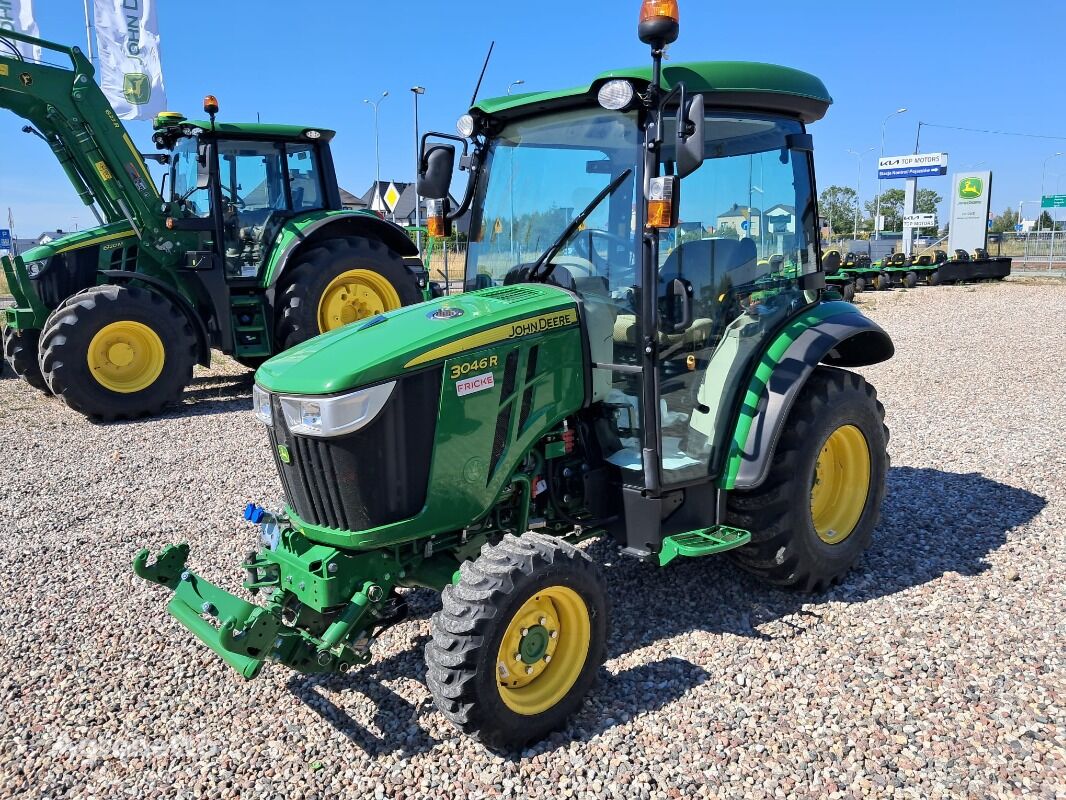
<point>844,340</point>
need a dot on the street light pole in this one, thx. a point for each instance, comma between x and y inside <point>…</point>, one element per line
<point>513,84</point>
<point>377,142</point>
<point>1043,180</point>
<point>858,190</point>
<point>880,183</point>
<point>416,91</point>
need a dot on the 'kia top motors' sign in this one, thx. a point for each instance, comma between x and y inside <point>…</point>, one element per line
<point>916,166</point>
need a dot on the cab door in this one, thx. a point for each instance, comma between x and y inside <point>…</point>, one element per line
<point>745,240</point>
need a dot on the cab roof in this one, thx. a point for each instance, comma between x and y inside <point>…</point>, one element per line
<point>725,84</point>
<point>257,130</point>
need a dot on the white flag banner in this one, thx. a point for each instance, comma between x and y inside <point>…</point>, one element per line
<point>127,43</point>
<point>17,15</point>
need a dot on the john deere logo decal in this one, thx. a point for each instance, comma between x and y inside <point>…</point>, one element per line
<point>446,313</point>
<point>136,88</point>
<point>284,455</point>
<point>971,188</point>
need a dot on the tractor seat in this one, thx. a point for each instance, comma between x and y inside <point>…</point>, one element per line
<point>961,255</point>
<point>924,261</point>
<point>980,254</point>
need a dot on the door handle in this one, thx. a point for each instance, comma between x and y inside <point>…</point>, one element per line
<point>680,289</point>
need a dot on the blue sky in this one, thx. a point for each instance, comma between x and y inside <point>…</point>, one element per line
<point>314,63</point>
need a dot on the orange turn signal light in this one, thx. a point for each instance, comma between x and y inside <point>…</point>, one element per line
<point>651,9</point>
<point>662,198</point>
<point>435,227</point>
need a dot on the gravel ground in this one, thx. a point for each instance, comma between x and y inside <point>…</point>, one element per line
<point>935,671</point>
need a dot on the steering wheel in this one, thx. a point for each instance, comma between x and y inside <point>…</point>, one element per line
<point>233,198</point>
<point>584,248</point>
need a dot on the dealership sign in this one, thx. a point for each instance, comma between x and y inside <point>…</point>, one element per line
<point>916,166</point>
<point>919,221</point>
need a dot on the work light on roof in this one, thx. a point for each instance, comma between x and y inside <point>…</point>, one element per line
<point>616,95</point>
<point>465,126</point>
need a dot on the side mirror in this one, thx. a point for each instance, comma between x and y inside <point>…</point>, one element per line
<point>203,169</point>
<point>690,141</point>
<point>435,171</point>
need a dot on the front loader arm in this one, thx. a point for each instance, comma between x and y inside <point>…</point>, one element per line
<point>92,145</point>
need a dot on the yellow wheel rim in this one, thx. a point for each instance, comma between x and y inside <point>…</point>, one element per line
<point>841,484</point>
<point>354,295</point>
<point>543,650</point>
<point>126,356</point>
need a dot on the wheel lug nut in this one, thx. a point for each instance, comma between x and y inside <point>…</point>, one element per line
<point>555,634</point>
<point>543,620</point>
<point>529,670</point>
<point>518,657</point>
<point>525,631</point>
<point>547,659</point>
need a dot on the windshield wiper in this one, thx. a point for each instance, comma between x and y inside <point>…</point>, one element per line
<point>572,228</point>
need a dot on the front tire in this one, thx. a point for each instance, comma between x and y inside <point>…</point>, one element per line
<point>115,352</point>
<point>848,292</point>
<point>814,515</point>
<point>910,280</point>
<point>340,281</point>
<point>20,352</point>
<point>860,285</point>
<point>519,640</point>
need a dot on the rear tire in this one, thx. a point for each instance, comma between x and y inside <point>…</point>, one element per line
<point>848,292</point>
<point>882,282</point>
<point>20,352</point>
<point>934,278</point>
<point>494,668</point>
<point>116,352</point>
<point>860,285</point>
<point>910,280</point>
<point>788,514</point>
<point>377,281</point>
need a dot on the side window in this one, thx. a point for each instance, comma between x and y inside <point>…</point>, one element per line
<point>304,179</point>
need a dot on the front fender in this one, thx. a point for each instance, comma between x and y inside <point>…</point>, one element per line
<point>844,337</point>
<point>304,231</point>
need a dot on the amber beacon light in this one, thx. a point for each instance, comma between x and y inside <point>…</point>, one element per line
<point>659,22</point>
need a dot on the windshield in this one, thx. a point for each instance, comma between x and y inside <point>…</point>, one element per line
<point>184,166</point>
<point>541,174</point>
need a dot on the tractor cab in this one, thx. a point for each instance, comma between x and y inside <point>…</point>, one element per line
<point>238,184</point>
<point>685,264</point>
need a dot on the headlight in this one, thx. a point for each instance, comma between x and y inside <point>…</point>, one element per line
<point>465,126</point>
<point>335,416</point>
<point>261,405</point>
<point>35,268</point>
<point>616,95</point>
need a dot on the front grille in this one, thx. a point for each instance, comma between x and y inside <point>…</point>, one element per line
<point>375,476</point>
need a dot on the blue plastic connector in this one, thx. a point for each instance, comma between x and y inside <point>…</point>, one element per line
<point>254,513</point>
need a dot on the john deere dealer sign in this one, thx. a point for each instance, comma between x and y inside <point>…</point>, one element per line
<point>970,196</point>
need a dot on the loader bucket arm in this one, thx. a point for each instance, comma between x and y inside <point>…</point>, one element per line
<point>91,144</point>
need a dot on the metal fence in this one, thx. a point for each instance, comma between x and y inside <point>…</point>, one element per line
<point>1033,250</point>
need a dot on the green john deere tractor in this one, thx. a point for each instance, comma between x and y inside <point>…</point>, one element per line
<point>249,251</point>
<point>603,376</point>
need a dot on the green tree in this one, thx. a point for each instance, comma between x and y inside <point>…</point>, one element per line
<point>1005,222</point>
<point>1045,223</point>
<point>726,231</point>
<point>891,209</point>
<point>926,201</point>
<point>838,206</point>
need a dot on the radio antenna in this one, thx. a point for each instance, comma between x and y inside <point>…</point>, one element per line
<point>480,79</point>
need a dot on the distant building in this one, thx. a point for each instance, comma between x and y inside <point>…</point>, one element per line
<point>403,212</point>
<point>745,220</point>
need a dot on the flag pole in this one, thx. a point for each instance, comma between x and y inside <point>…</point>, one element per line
<point>89,37</point>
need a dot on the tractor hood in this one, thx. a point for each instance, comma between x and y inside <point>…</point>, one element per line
<point>78,240</point>
<point>414,337</point>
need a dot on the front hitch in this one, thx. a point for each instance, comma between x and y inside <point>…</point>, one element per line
<point>324,610</point>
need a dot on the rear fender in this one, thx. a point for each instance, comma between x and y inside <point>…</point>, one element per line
<point>845,339</point>
<point>303,232</point>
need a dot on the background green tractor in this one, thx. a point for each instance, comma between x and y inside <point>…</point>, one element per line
<point>601,377</point>
<point>247,252</point>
